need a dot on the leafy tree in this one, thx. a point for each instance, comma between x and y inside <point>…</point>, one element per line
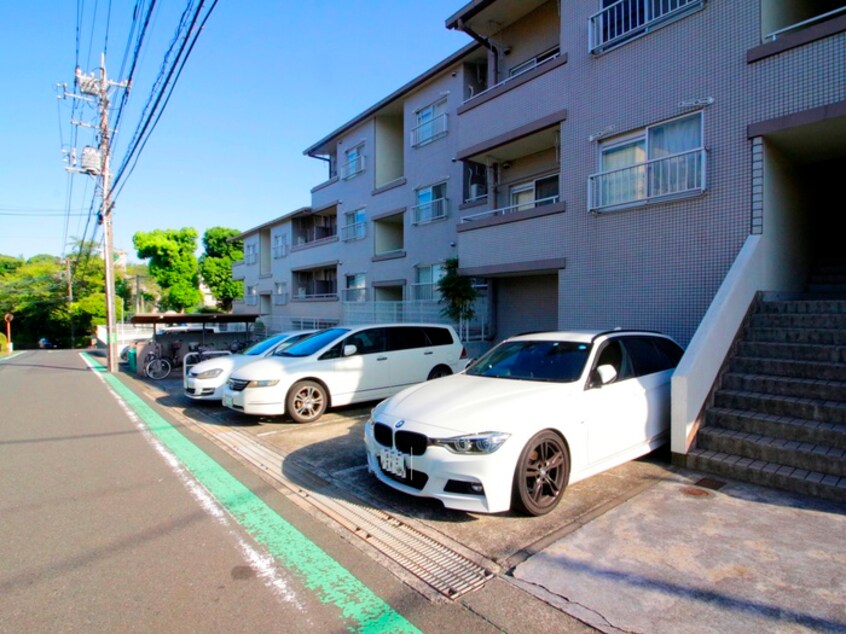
<point>216,264</point>
<point>8,264</point>
<point>172,264</point>
<point>457,293</point>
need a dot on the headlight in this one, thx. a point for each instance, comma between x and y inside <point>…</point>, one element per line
<point>486,442</point>
<point>208,374</point>
<point>265,383</point>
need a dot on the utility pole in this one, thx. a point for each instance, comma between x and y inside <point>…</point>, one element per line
<point>70,301</point>
<point>95,162</point>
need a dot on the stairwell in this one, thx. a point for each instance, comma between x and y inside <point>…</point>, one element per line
<point>778,416</point>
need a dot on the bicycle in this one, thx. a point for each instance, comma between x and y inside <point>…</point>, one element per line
<point>158,367</point>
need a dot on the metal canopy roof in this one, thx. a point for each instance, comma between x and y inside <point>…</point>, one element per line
<point>192,318</point>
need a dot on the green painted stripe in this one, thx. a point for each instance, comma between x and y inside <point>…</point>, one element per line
<point>332,583</point>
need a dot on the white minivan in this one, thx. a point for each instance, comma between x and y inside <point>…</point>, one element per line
<point>344,365</point>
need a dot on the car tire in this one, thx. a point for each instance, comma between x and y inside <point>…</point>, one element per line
<point>541,474</point>
<point>438,372</point>
<point>158,369</point>
<point>306,401</point>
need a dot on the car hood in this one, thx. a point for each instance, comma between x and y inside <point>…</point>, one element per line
<point>224,362</point>
<point>462,403</point>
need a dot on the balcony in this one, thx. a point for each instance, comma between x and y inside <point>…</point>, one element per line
<point>355,295</point>
<point>424,292</point>
<point>544,61</point>
<point>430,212</point>
<point>627,19</point>
<point>511,209</point>
<point>658,179</point>
<point>281,299</point>
<point>429,131</point>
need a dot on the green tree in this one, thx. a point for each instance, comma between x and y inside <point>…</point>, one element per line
<point>9,264</point>
<point>172,264</point>
<point>221,250</point>
<point>457,293</point>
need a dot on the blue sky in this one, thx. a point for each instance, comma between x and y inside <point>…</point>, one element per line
<point>266,79</point>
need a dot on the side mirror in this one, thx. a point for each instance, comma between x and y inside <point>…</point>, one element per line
<point>604,374</point>
<point>350,350</point>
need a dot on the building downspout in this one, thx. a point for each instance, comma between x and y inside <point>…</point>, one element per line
<point>462,26</point>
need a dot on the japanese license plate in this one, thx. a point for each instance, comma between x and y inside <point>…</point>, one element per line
<point>227,400</point>
<point>392,461</point>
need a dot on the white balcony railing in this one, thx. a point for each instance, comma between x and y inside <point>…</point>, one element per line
<point>502,211</point>
<point>424,291</point>
<point>429,131</point>
<point>280,250</point>
<point>431,211</point>
<point>524,69</point>
<point>280,299</point>
<point>251,300</point>
<point>357,231</point>
<point>625,19</point>
<point>352,167</point>
<point>805,23</point>
<point>250,258</point>
<point>355,295</point>
<point>674,175</point>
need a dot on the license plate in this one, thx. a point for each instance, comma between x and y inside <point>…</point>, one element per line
<point>227,400</point>
<point>392,461</point>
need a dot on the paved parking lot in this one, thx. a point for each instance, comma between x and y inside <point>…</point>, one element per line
<point>333,450</point>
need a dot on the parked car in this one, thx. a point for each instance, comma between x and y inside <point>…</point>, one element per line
<point>533,414</point>
<point>45,344</point>
<point>339,366</point>
<point>205,381</point>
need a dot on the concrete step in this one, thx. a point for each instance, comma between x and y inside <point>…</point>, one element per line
<point>803,306</point>
<point>783,334</point>
<point>798,320</point>
<point>798,429</point>
<point>786,386</point>
<point>793,351</point>
<point>801,481</point>
<point>791,453</point>
<point>791,406</point>
<point>788,368</point>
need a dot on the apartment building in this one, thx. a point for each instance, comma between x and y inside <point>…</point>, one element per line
<point>648,164</point>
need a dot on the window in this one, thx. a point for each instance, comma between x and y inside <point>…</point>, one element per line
<point>355,225</point>
<point>431,204</point>
<point>316,283</point>
<point>356,289</point>
<point>531,194</point>
<point>368,341</point>
<point>622,20</point>
<point>250,253</point>
<point>652,354</point>
<point>662,160</point>
<point>250,296</point>
<point>431,124</point>
<point>280,245</point>
<point>426,281</point>
<point>353,162</point>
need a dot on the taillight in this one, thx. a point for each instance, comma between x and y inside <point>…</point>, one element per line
<point>463,353</point>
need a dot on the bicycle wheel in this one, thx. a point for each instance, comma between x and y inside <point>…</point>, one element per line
<point>158,368</point>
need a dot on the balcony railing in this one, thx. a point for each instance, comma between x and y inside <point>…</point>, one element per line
<point>429,131</point>
<point>527,68</point>
<point>355,295</point>
<point>502,211</point>
<point>431,211</point>
<point>280,299</point>
<point>314,235</point>
<point>424,291</point>
<point>251,300</point>
<point>280,251</point>
<point>352,167</point>
<point>626,19</point>
<point>804,23</point>
<point>318,289</point>
<point>251,257</point>
<point>673,175</point>
<point>357,231</point>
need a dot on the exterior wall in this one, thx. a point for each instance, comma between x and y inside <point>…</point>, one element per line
<point>526,304</point>
<point>535,33</point>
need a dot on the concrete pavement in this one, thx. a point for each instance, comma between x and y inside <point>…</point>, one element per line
<point>685,558</point>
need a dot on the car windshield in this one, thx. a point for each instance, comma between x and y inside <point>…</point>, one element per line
<point>555,361</point>
<point>263,346</point>
<point>312,344</point>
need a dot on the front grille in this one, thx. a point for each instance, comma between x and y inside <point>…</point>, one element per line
<point>406,441</point>
<point>190,390</point>
<point>414,479</point>
<point>238,385</point>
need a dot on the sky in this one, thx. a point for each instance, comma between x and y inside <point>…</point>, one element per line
<point>266,79</point>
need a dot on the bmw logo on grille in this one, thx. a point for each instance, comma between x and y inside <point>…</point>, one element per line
<point>399,424</point>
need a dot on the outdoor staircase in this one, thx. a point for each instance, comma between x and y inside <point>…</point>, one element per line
<point>778,416</point>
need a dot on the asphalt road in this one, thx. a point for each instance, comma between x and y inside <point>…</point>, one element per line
<point>120,520</point>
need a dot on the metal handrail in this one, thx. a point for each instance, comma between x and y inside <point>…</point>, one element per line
<point>804,23</point>
<point>511,78</point>
<point>502,211</point>
<point>635,19</point>
<point>438,126</point>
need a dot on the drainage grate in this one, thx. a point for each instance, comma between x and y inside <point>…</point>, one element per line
<point>710,483</point>
<point>440,567</point>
